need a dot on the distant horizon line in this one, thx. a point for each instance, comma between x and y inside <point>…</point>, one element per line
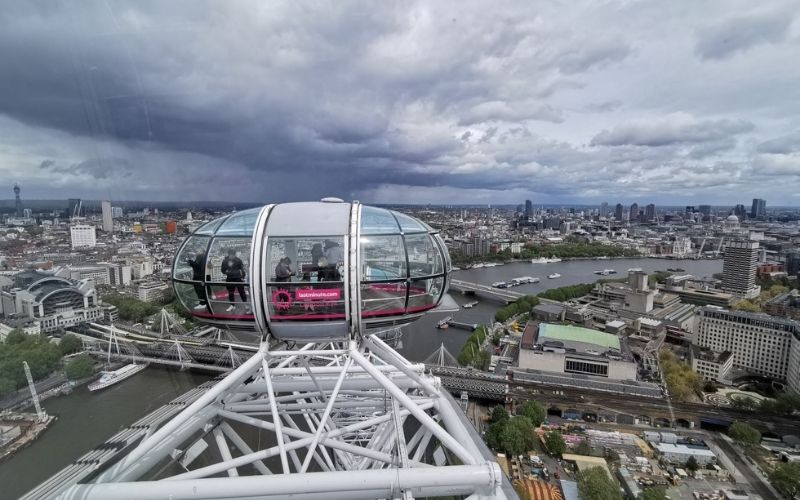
<point>11,201</point>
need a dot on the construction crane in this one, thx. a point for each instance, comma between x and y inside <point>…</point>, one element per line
<point>719,248</point>
<point>41,416</point>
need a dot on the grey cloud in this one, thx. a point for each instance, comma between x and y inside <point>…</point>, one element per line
<point>676,128</point>
<point>738,34</point>
<point>782,145</point>
<point>592,54</point>
<point>511,112</point>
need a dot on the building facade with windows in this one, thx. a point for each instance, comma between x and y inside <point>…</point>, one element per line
<point>759,343</point>
<point>739,269</point>
<point>52,301</point>
<point>82,236</point>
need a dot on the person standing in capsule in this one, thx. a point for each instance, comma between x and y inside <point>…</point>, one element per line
<point>198,266</point>
<point>233,269</point>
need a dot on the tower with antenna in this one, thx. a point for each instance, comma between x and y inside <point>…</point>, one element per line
<point>17,201</point>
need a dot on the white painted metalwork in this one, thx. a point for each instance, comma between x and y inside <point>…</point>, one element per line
<point>331,421</point>
<point>41,416</point>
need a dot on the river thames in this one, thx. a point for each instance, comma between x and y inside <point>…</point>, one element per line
<point>88,419</point>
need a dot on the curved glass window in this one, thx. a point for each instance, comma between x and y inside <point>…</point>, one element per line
<point>424,294</point>
<point>424,258</point>
<point>383,299</point>
<point>409,224</point>
<point>210,227</point>
<point>192,296</point>
<point>377,221</point>
<point>240,224</point>
<point>382,258</point>
<point>190,264</point>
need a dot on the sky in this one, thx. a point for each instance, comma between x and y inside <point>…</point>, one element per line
<point>402,102</point>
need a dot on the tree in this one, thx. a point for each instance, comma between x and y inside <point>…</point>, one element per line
<point>7,386</point>
<point>494,435</point>
<point>744,433</point>
<point>16,336</point>
<point>534,411</point>
<point>692,464</point>
<point>595,484</point>
<point>555,444</point>
<point>517,435</point>
<point>81,366</point>
<point>69,344</point>
<point>655,493</point>
<point>583,448</point>
<point>746,305</point>
<point>786,479</point>
<point>499,414</point>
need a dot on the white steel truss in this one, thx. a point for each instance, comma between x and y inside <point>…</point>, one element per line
<point>342,420</point>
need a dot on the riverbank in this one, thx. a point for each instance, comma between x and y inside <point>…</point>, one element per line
<point>577,259</point>
<point>28,427</point>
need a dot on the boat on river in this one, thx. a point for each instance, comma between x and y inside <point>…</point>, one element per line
<point>109,378</point>
<point>554,276</point>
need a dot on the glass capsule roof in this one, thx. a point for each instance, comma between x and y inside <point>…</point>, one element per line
<point>296,277</point>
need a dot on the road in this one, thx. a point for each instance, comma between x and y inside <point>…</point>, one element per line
<point>23,394</point>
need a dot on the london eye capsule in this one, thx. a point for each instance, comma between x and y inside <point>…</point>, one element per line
<point>325,270</point>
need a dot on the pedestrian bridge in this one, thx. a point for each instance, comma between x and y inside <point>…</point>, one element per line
<point>502,294</point>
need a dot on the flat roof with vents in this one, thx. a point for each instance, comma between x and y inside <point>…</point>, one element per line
<point>566,333</point>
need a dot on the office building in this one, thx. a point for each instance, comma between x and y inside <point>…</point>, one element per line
<point>83,236</point>
<point>740,212</point>
<point>650,213</point>
<point>705,211</point>
<point>618,212</point>
<point>51,301</point>
<point>116,212</point>
<point>153,291</point>
<point>793,263</point>
<point>633,216</point>
<point>739,269</point>
<point>759,209</point>
<point>760,343</point>
<point>108,218</point>
<point>604,210</point>
<point>528,208</point>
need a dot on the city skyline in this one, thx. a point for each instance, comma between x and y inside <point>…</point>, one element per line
<point>408,104</point>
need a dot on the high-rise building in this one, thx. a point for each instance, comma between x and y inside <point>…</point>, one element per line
<point>633,216</point>
<point>116,212</point>
<point>759,209</point>
<point>618,212</point>
<point>83,236</point>
<point>793,263</point>
<point>740,212</point>
<point>27,213</point>
<point>108,218</point>
<point>650,213</point>
<point>528,208</point>
<point>705,210</point>
<point>17,201</point>
<point>604,209</point>
<point>739,269</point>
<point>74,207</point>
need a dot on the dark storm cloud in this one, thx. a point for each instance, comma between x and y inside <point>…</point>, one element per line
<point>738,34</point>
<point>280,101</point>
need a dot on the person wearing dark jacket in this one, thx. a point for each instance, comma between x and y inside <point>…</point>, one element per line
<point>283,271</point>
<point>198,266</point>
<point>233,269</point>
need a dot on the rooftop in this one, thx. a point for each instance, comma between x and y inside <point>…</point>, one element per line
<point>566,333</point>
